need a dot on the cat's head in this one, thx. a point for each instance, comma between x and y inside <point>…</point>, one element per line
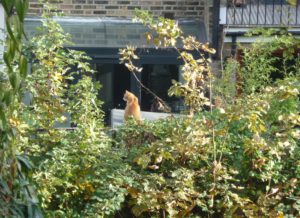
<point>128,96</point>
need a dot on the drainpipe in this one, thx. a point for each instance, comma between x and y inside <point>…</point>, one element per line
<point>233,45</point>
<point>206,20</point>
<point>216,28</point>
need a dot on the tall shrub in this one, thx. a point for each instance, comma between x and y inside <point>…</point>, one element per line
<point>72,166</point>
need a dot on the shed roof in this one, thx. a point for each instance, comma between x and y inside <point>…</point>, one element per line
<point>111,32</point>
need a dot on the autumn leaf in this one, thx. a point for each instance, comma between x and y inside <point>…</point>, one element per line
<point>292,2</point>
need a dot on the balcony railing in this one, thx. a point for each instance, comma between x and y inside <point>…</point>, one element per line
<point>260,13</point>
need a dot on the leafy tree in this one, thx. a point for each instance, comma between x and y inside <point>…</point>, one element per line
<point>17,196</point>
<point>77,172</point>
<point>196,70</point>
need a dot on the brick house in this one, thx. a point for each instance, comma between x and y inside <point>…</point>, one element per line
<point>124,8</point>
<point>101,27</point>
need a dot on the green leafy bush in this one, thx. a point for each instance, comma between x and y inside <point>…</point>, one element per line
<point>267,60</point>
<point>76,171</point>
<point>254,173</point>
<point>240,160</point>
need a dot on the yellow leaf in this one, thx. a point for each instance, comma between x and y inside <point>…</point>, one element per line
<point>133,192</point>
<point>280,215</point>
<point>292,2</point>
<point>153,167</point>
<point>57,77</point>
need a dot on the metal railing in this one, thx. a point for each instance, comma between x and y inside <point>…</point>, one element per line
<point>262,13</point>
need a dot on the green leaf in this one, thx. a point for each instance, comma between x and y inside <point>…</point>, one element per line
<point>24,161</point>
<point>12,49</point>
<point>10,32</point>
<point>3,121</point>
<point>137,210</point>
<point>8,97</point>
<point>23,66</point>
<point>7,59</point>
<point>14,79</point>
<point>21,8</point>
<point>143,161</point>
<point>8,6</point>
<point>4,186</point>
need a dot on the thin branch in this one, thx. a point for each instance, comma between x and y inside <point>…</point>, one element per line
<point>165,106</point>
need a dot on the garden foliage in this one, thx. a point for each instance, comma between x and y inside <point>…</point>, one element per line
<point>17,195</point>
<point>240,159</point>
<point>255,174</point>
<point>268,61</point>
<point>68,162</point>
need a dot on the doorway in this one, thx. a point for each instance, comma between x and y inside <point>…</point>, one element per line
<point>116,78</point>
<point>158,78</point>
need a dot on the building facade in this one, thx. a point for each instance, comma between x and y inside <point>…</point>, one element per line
<point>124,8</point>
<point>102,27</point>
<point>236,17</point>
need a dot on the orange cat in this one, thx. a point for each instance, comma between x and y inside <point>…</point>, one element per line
<point>132,106</point>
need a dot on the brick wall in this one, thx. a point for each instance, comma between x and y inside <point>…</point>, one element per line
<point>125,8</point>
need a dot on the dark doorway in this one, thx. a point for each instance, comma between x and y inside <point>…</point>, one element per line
<point>114,79</point>
<point>121,83</point>
<point>158,78</point>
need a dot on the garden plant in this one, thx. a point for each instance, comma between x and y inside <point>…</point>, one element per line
<point>237,158</point>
